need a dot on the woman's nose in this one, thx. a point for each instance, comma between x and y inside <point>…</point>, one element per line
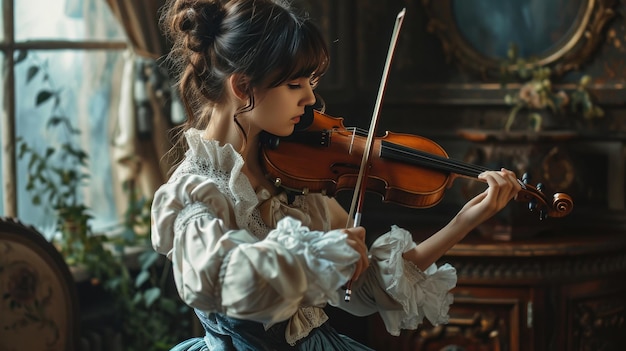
<point>309,98</point>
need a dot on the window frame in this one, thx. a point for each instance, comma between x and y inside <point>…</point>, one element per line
<point>8,47</point>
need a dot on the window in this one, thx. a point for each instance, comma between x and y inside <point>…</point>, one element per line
<point>80,46</point>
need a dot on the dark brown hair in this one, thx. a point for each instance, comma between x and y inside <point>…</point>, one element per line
<point>265,41</point>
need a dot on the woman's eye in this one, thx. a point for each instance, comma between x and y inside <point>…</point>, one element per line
<point>312,82</point>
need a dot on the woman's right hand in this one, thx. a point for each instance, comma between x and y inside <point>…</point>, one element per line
<point>356,240</point>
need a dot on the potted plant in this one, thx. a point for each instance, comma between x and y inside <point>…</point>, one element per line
<point>148,314</point>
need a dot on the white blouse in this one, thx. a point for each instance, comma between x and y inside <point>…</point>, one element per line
<point>226,258</point>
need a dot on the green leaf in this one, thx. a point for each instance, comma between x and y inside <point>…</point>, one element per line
<point>49,151</point>
<point>148,258</point>
<point>54,121</point>
<point>168,305</point>
<point>43,96</point>
<point>142,277</point>
<point>33,161</point>
<point>31,73</point>
<point>137,298</point>
<point>20,56</point>
<point>113,283</point>
<point>151,295</point>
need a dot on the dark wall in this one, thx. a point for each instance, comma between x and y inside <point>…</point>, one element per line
<point>432,92</point>
<point>425,81</point>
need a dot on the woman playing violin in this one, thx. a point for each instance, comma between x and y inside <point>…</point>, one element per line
<point>256,265</point>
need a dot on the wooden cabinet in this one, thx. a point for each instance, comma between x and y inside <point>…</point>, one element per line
<point>566,292</point>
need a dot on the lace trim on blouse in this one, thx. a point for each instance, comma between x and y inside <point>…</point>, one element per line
<point>223,165</point>
<point>422,294</point>
<point>301,325</point>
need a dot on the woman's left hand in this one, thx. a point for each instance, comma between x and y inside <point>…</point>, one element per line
<point>503,186</point>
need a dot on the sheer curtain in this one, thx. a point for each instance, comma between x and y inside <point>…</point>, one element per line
<point>145,109</point>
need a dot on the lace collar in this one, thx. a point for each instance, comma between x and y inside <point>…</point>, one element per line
<point>257,211</point>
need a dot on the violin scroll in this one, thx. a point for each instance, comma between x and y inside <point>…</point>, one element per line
<point>560,206</point>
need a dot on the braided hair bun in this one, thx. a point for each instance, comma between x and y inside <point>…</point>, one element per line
<point>196,23</point>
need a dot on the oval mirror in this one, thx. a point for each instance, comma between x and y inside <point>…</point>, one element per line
<point>478,34</point>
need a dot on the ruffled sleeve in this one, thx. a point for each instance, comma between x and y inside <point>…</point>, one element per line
<point>218,269</point>
<point>400,292</point>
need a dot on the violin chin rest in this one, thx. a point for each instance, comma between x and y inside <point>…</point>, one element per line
<point>270,140</point>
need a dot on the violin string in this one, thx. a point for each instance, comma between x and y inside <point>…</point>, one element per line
<point>455,165</point>
<point>435,161</point>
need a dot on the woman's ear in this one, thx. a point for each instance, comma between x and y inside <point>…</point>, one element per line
<point>239,86</point>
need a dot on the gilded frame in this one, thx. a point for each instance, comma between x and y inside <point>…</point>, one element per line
<point>572,52</point>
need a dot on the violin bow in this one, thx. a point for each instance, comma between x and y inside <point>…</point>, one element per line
<point>360,187</point>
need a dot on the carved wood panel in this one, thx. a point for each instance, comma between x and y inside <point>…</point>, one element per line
<point>480,320</point>
<point>598,315</point>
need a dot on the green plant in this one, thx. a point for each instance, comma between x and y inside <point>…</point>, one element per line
<point>57,175</point>
<point>151,315</point>
<point>154,315</point>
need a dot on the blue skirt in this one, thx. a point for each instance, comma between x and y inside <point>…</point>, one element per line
<point>230,334</point>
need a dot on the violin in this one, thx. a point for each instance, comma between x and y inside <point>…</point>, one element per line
<point>405,169</point>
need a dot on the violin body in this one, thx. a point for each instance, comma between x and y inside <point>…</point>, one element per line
<point>330,167</point>
<point>405,169</point>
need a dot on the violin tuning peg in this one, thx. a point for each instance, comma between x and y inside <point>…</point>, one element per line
<point>270,140</point>
<point>543,215</point>
<point>526,178</point>
<point>532,204</point>
<point>539,186</point>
